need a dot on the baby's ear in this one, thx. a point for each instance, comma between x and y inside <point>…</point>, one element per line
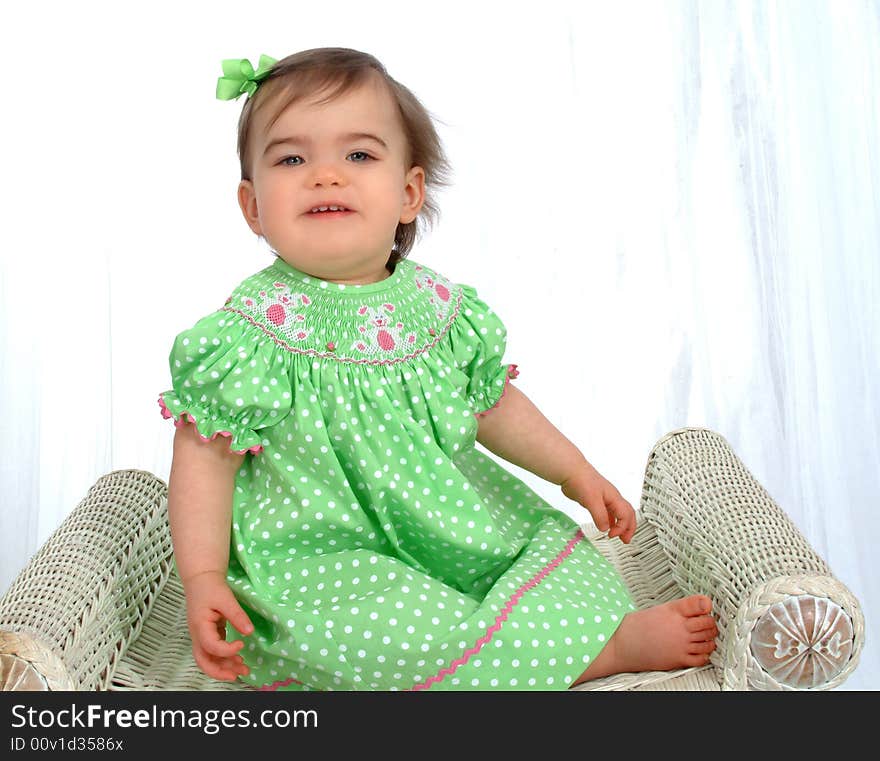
<point>247,201</point>
<point>415,195</point>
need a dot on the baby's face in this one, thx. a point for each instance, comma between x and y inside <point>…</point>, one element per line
<point>326,165</point>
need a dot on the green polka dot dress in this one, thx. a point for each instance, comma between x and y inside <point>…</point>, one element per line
<point>372,545</point>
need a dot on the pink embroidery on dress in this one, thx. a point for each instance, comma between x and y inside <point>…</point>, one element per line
<point>379,332</point>
<point>379,338</point>
<point>276,314</point>
<point>280,309</point>
<point>440,290</point>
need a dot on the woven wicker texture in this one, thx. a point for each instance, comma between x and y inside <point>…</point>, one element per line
<point>725,537</point>
<point>161,658</point>
<point>86,593</point>
<point>644,567</point>
<point>100,606</point>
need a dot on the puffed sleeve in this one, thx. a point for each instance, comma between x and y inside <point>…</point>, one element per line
<point>479,340</point>
<point>229,380</point>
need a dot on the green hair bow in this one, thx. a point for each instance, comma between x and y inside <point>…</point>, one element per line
<point>239,77</point>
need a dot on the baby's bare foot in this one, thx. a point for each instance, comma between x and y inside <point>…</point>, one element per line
<point>676,634</point>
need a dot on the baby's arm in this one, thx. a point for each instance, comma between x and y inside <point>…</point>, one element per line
<point>200,502</point>
<point>200,515</point>
<point>517,431</point>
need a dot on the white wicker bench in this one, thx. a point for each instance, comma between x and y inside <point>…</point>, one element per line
<point>100,606</point>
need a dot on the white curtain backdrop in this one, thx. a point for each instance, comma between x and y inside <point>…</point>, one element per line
<point>674,206</point>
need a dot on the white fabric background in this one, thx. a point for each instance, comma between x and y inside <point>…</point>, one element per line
<point>674,206</point>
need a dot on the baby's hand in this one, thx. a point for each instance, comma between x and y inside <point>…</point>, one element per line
<point>209,605</point>
<point>609,510</point>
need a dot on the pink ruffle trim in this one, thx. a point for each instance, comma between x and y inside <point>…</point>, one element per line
<point>166,413</point>
<point>512,373</point>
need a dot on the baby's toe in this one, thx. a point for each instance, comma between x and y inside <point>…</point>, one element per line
<point>701,623</point>
<point>696,659</point>
<point>694,605</point>
<point>701,647</point>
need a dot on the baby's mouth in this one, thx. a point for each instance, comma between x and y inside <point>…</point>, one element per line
<point>329,214</point>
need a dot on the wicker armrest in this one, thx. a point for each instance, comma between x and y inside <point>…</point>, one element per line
<point>784,620</point>
<point>72,612</point>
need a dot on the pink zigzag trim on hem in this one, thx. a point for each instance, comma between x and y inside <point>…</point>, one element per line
<point>276,685</point>
<point>166,413</point>
<point>512,373</point>
<point>502,616</point>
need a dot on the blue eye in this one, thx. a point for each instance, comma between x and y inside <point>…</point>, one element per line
<point>287,158</point>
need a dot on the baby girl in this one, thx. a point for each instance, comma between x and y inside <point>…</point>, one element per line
<point>333,523</point>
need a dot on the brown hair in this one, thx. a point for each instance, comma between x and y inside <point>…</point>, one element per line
<point>310,71</point>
